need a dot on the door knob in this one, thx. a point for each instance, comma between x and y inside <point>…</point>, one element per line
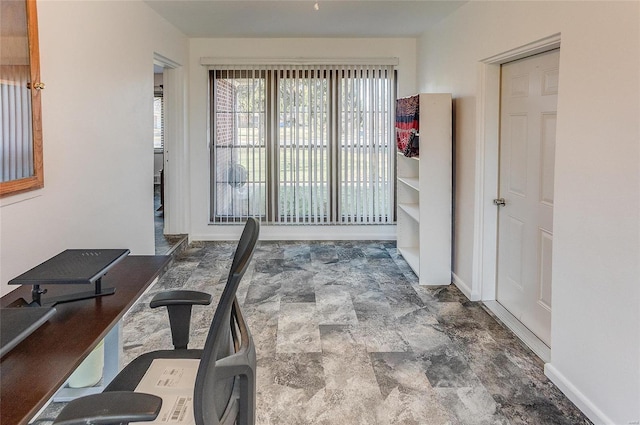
<point>499,202</point>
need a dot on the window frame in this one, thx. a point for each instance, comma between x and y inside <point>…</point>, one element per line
<point>159,95</point>
<point>266,76</point>
<point>272,215</point>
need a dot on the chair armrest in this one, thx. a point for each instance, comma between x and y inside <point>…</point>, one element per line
<point>179,305</point>
<point>168,298</point>
<point>109,408</point>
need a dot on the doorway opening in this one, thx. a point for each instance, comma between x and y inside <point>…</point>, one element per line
<point>158,158</point>
<point>166,120</point>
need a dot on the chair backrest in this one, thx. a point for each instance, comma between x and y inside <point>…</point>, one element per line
<point>225,362</point>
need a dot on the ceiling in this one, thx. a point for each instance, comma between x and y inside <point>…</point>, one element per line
<point>298,18</point>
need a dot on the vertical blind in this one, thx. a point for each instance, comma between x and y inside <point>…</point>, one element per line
<point>158,117</point>
<point>366,157</point>
<point>302,153</point>
<point>303,144</point>
<point>15,122</point>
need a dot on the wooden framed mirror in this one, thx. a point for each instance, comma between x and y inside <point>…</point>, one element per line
<point>21,166</point>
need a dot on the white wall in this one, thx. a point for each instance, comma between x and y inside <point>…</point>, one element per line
<point>97,112</point>
<point>404,49</point>
<point>595,353</point>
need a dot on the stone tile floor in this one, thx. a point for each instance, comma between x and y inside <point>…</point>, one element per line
<point>345,335</point>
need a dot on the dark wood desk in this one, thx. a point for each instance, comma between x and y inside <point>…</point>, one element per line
<point>32,372</point>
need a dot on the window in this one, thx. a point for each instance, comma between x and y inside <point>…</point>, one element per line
<point>158,119</point>
<point>303,144</point>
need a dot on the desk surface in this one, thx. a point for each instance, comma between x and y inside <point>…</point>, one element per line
<point>31,373</point>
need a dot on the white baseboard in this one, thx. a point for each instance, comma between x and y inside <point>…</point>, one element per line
<point>464,288</point>
<point>580,400</point>
<point>521,331</point>
<point>302,233</point>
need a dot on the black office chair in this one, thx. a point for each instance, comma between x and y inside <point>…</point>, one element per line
<point>224,392</point>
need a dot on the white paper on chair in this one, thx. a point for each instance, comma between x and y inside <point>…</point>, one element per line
<point>173,381</point>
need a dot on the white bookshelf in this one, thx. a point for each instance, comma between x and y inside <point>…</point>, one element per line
<point>424,195</point>
<point>412,182</point>
<point>412,209</point>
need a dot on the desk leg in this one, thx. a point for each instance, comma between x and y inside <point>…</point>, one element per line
<point>112,350</point>
<point>112,354</point>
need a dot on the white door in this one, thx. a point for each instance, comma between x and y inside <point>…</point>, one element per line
<point>529,96</point>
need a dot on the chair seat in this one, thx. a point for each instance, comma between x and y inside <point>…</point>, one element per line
<point>131,375</point>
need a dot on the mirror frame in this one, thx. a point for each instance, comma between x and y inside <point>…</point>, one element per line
<point>36,181</point>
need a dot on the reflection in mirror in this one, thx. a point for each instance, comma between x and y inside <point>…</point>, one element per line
<point>20,86</point>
